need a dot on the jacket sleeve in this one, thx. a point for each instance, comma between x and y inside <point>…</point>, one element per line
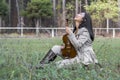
<point>77,43</point>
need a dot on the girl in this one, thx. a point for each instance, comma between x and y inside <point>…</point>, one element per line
<point>81,38</point>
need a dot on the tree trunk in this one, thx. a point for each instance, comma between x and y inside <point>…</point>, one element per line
<point>76,3</point>
<point>40,22</point>
<point>63,4</point>
<point>18,16</point>
<point>80,7</point>
<point>59,14</point>
<point>0,21</point>
<point>9,12</point>
<point>13,13</point>
<point>86,2</point>
<point>54,10</point>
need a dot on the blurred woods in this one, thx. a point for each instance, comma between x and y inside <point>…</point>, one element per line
<point>52,13</point>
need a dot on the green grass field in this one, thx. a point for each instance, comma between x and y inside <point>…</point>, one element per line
<point>17,55</point>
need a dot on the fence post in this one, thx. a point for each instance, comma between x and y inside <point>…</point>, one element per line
<point>95,31</point>
<point>52,32</point>
<point>0,29</point>
<point>37,31</point>
<point>113,32</point>
<point>21,31</point>
<point>56,32</point>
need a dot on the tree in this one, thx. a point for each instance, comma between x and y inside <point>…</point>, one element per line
<point>54,10</point>
<point>119,13</point>
<point>3,10</point>
<point>37,9</point>
<point>103,10</point>
<point>70,10</point>
<point>63,6</point>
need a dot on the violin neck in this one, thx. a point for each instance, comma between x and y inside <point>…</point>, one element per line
<point>66,24</point>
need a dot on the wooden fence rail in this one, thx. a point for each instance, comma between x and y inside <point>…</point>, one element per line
<point>53,31</point>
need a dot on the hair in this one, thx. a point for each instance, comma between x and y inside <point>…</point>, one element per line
<point>87,23</point>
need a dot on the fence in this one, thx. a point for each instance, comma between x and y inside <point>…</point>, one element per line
<point>52,32</point>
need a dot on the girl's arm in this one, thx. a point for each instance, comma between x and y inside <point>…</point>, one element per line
<point>77,43</point>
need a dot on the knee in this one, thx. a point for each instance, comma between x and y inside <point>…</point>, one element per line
<point>56,49</point>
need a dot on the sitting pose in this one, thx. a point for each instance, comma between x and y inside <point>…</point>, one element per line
<point>81,38</point>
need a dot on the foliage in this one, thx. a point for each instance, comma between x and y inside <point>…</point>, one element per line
<point>3,8</point>
<point>16,60</point>
<point>101,10</point>
<point>70,8</point>
<point>38,9</point>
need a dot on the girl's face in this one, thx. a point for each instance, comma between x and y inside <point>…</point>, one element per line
<point>79,17</point>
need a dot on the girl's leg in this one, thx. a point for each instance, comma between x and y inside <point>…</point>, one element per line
<point>67,62</point>
<point>50,56</point>
<point>57,50</point>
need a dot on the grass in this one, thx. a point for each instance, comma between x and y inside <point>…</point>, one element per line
<point>17,55</point>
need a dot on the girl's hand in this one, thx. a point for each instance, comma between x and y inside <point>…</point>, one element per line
<point>68,30</point>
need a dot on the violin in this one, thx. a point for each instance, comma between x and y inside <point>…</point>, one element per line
<point>68,51</point>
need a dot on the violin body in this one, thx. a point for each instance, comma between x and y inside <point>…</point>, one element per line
<point>68,51</point>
